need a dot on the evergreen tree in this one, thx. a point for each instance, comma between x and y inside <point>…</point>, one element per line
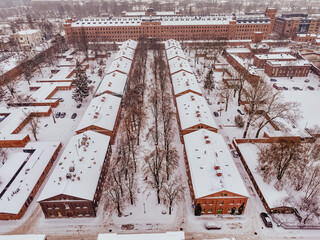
<point>209,81</point>
<point>197,210</point>
<point>81,90</point>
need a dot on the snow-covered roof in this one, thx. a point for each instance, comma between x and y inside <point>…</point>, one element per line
<point>183,81</point>
<point>23,237</point>
<point>130,44</point>
<point>101,112</point>
<point>125,52</point>
<point>259,46</point>
<point>46,90</point>
<point>178,64</point>
<point>171,43</point>
<point>250,154</point>
<point>28,32</point>
<point>193,110</point>
<point>207,151</point>
<point>297,63</point>
<point>175,52</point>
<point>121,64</point>
<point>78,169</point>
<point>113,83</point>
<point>280,50</point>
<point>281,56</point>
<point>143,236</point>
<point>164,20</point>
<point>15,118</point>
<point>40,154</point>
<point>60,76</point>
<point>237,50</point>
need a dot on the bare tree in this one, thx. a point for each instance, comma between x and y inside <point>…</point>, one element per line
<point>34,126</point>
<point>173,191</point>
<point>3,155</point>
<point>225,93</point>
<point>256,95</point>
<point>154,169</point>
<point>115,196</point>
<point>276,159</point>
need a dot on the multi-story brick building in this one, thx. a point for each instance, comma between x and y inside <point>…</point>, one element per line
<point>299,68</point>
<point>75,185</point>
<point>261,60</point>
<point>168,27</point>
<point>289,25</point>
<point>214,181</point>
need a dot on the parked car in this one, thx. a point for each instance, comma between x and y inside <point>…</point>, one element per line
<point>307,80</point>
<point>265,218</point>
<point>58,114</point>
<point>297,88</point>
<point>235,153</point>
<point>79,105</point>
<point>74,115</point>
<point>275,86</point>
<point>310,88</point>
<point>212,225</point>
<point>216,114</point>
<point>61,100</point>
<point>63,115</point>
<point>285,88</point>
<point>239,111</point>
<point>89,81</point>
<point>273,80</point>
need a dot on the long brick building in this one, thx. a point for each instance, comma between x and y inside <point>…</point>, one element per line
<point>170,27</point>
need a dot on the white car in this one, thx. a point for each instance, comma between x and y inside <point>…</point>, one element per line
<point>212,225</point>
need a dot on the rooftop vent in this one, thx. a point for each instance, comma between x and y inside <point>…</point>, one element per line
<point>71,169</point>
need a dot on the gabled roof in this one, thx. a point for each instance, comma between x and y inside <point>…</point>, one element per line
<point>113,82</point>
<point>178,64</point>
<point>208,155</point>
<point>101,112</point>
<point>184,81</point>
<point>121,64</point>
<point>78,169</point>
<point>125,52</point>
<point>130,44</point>
<point>171,43</point>
<point>175,52</point>
<point>193,110</point>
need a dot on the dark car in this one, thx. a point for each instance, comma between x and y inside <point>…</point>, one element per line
<point>285,88</point>
<point>63,115</point>
<point>74,115</point>
<point>61,100</point>
<point>307,80</point>
<point>58,114</point>
<point>310,88</point>
<point>239,111</point>
<point>296,88</point>
<point>79,105</point>
<point>235,153</point>
<point>216,114</point>
<point>273,80</point>
<point>265,218</point>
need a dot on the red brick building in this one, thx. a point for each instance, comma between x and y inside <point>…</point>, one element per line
<point>299,68</point>
<point>169,27</point>
<point>214,180</point>
<point>22,175</point>
<point>75,185</point>
<point>261,60</point>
